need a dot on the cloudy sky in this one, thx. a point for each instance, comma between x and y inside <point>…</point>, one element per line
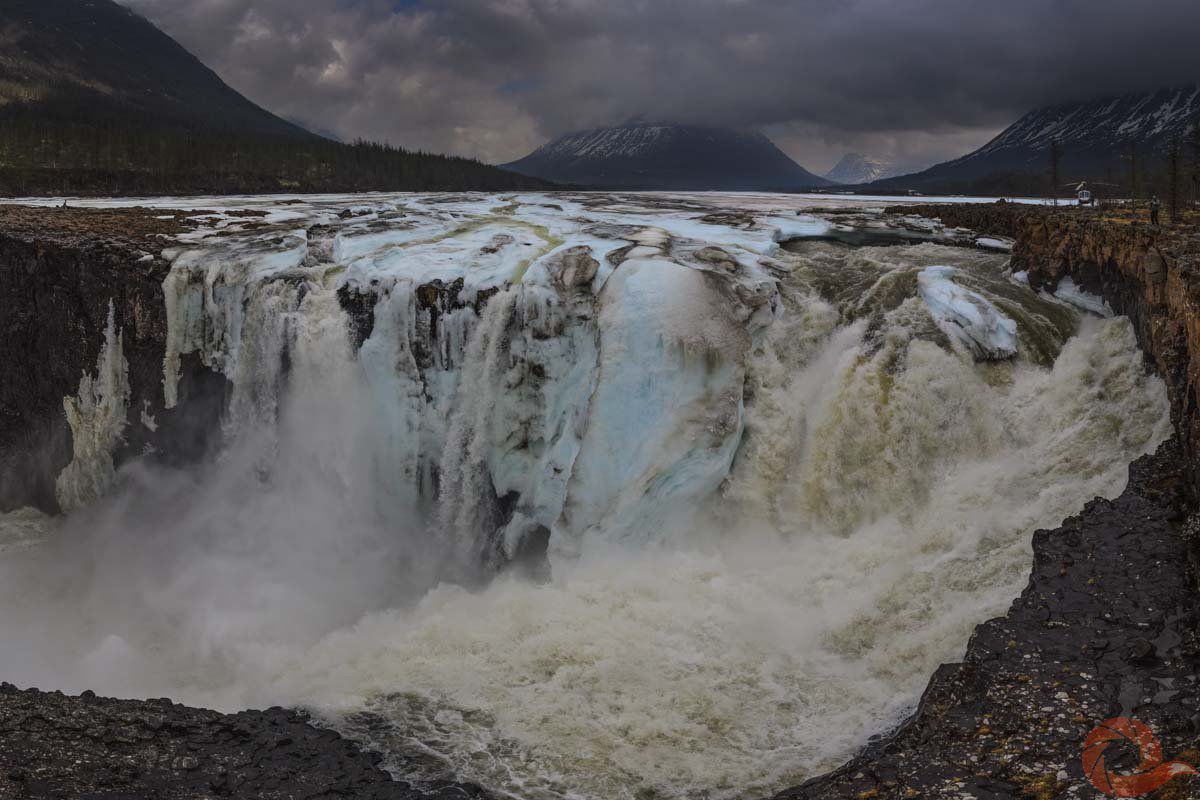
<point>912,80</point>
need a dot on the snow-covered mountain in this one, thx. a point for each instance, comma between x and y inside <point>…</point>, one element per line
<point>1094,136</point>
<point>857,168</point>
<point>644,155</point>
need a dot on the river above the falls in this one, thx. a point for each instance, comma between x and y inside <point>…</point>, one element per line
<point>577,495</point>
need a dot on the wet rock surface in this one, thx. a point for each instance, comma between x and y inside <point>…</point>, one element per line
<point>60,271</point>
<point>91,748</point>
<point>1108,626</point>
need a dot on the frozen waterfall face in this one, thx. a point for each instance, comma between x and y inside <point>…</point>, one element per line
<point>524,392</point>
<point>578,495</point>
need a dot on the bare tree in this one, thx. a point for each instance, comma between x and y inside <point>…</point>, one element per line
<point>1196,162</point>
<point>1055,158</point>
<point>1173,174</point>
<point>1133,186</point>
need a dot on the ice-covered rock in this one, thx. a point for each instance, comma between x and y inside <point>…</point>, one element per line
<point>966,316</point>
<point>1069,292</point>
<point>518,356</point>
<point>97,416</point>
<point>995,243</point>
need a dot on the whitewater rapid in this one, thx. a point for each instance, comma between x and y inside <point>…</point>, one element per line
<point>777,486</point>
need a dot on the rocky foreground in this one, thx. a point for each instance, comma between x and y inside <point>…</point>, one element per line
<point>53,746</point>
<point>1108,625</point>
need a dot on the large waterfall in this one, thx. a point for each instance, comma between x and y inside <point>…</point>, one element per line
<point>579,496</point>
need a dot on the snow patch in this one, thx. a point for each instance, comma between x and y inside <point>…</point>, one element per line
<point>998,244</point>
<point>966,316</point>
<point>1068,292</point>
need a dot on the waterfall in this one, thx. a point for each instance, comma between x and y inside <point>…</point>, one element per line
<point>775,487</point>
<point>467,496</point>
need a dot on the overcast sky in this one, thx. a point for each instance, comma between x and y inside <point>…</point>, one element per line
<point>914,80</point>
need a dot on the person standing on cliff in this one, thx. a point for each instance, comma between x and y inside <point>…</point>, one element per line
<point>1154,204</point>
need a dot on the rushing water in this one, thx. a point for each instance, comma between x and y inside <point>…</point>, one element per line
<point>840,490</point>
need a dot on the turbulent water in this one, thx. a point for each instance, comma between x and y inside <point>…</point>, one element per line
<point>777,486</point>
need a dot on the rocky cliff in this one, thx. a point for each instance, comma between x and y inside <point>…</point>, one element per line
<point>63,274</point>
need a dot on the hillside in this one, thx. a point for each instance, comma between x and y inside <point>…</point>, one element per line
<point>1094,137</point>
<point>643,155</point>
<point>96,100</point>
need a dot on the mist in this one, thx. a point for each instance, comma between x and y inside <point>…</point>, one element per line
<point>877,508</point>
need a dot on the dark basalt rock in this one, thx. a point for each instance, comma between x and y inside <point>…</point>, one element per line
<point>54,746</point>
<point>59,271</point>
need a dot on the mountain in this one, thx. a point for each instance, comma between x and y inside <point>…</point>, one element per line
<point>645,155</point>
<point>61,52</point>
<point>1094,137</point>
<point>96,99</point>
<point>857,168</point>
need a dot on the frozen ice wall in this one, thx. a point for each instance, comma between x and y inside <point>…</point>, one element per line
<point>516,377</point>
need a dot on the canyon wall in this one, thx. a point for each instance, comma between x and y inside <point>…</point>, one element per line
<point>63,274</point>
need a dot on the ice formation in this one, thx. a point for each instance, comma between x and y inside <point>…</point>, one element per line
<point>1068,292</point>
<point>967,316</point>
<point>97,419</point>
<point>995,243</point>
<point>775,486</point>
<point>516,371</point>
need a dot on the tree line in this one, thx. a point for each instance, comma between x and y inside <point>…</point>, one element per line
<point>79,146</point>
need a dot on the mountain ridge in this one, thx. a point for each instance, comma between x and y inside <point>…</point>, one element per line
<point>1093,135</point>
<point>61,49</point>
<point>657,155</point>
<point>95,100</point>
<point>856,168</point>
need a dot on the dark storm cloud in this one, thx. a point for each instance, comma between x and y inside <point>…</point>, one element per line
<point>492,78</point>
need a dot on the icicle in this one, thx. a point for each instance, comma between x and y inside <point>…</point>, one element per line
<point>97,416</point>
